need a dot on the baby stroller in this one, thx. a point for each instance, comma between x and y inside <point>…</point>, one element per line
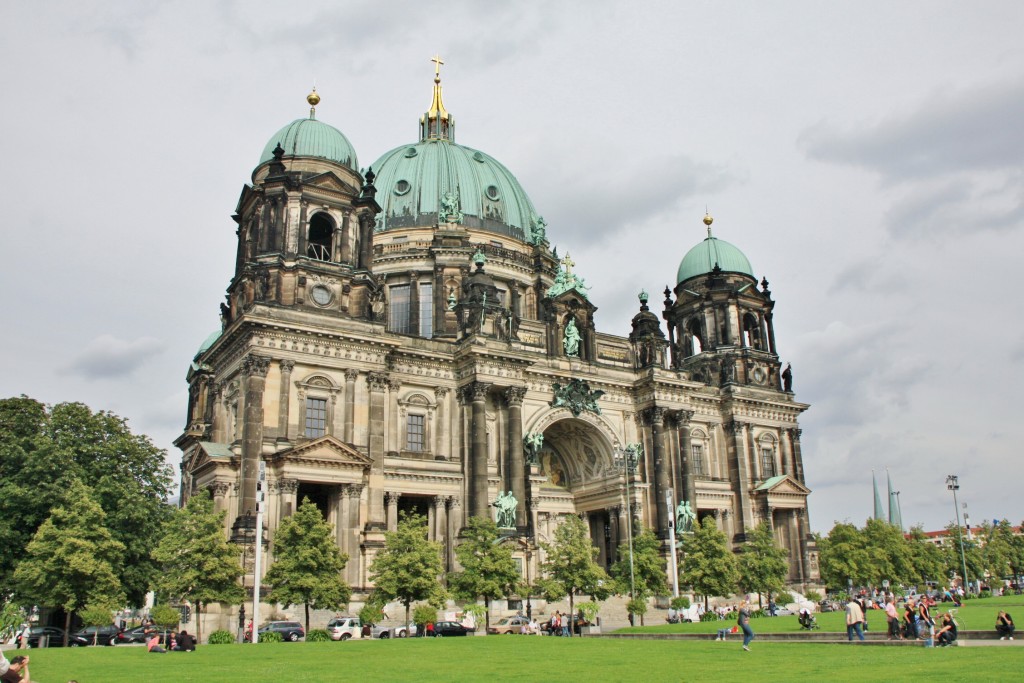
<point>807,621</point>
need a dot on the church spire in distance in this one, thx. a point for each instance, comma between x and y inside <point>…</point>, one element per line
<point>437,123</point>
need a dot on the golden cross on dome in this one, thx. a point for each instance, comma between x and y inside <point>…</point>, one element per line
<point>437,67</point>
<point>568,263</point>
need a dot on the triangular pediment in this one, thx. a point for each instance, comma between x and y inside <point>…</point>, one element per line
<point>327,450</point>
<point>329,181</point>
<point>571,295</point>
<point>208,454</point>
<point>783,484</point>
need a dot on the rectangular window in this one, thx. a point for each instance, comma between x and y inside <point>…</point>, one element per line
<point>767,463</point>
<point>398,319</point>
<point>427,310</point>
<point>697,459</point>
<point>415,433</point>
<point>316,417</point>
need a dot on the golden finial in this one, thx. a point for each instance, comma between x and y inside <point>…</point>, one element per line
<point>567,264</point>
<point>708,220</point>
<point>436,59</point>
<point>314,99</point>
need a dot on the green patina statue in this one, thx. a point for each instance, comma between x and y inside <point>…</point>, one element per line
<point>685,517</point>
<point>571,341</point>
<point>506,505</point>
<point>577,397</point>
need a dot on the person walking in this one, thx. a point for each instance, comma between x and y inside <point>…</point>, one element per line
<point>854,619</point>
<point>743,621</point>
<point>894,620</point>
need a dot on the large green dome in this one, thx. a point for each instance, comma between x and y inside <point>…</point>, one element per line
<point>438,181</point>
<point>312,138</point>
<point>703,258</point>
<point>412,180</point>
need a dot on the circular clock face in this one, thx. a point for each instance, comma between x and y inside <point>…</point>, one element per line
<point>321,295</point>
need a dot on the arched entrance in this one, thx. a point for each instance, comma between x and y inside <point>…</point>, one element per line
<point>575,474</point>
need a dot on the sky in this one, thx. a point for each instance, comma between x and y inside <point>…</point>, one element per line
<point>865,156</point>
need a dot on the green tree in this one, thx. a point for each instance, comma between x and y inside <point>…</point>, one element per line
<point>925,557</point>
<point>889,554</point>
<point>409,567</point>
<point>763,564</point>
<point>569,565</point>
<point>197,563</point>
<point>488,570</point>
<point>95,616</point>
<point>649,573</point>
<point>709,566</point>
<point>70,561</point>
<point>42,450</point>
<point>307,563</point>
<point>843,557</point>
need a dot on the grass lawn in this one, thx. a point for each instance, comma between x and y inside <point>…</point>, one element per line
<point>523,658</point>
<point>975,615</point>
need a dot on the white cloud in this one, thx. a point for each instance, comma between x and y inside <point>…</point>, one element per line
<point>107,357</point>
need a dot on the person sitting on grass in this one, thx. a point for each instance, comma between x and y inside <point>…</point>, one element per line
<point>153,642</point>
<point>947,633</point>
<point>185,642</point>
<point>1004,625</point>
<point>17,671</point>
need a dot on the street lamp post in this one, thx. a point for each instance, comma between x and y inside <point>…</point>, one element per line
<point>626,460</point>
<point>670,501</point>
<point>953,484</point>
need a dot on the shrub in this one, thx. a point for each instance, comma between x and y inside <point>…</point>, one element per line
<point>589,609</point>
<point>731,616</point>
<point>813,596</point>
<point>424,614</point>
<point>165,615</point>
<point>783,598</point>
<point>370,613</point>
<point>318,635</point>
<point>221,637</point>
<point>757,614</point>
<point>709,616</point>
<point>681,602</point>
<point>271,637</point>
<point>637,606</point>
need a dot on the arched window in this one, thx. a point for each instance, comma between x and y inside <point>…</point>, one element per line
<point>766,446</point>
<point>321,237</point>
<point>751,331</point>
<point>696,337</point>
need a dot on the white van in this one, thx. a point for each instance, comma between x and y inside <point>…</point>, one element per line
<point>343,628</point>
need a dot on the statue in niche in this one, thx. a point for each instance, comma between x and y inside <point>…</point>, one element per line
<point>506,505</point>
<point>539,231</point>
<point>450,208</point>
<point>787,378</point>
<point>571,340</point>
<point>451,299</point>
<point>685,517</point>
<point>532,443</point>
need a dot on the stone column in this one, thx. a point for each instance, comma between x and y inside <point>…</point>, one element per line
<point>689,481</point>
<point>437,506</point>
<point>377,381</point>
<point>344,519</point>
<point>656,416</point>
<point>352,569</point>
<point>786,445</point>
<point>391,497</point>
<point>441,450</point>
<point>798,459</point>
<point>478,504</point>
<point>454,520</point>
<point>395,438</point>
<point>219,490</point>
<point>284,395</point>
<point>255,370</point>
<point>432,519</point>
<point>350,403</point>
<point>741,482</point>
<point>517,462</point>
<point>288,489</point>
<point>220,417</point>
<point>796,559</point>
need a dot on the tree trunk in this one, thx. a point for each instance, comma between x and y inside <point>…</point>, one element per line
<point>407,617</point>
<point>307,617</point>
<point>199,622</point>
<point>67,627</point>
<point>487,614</point>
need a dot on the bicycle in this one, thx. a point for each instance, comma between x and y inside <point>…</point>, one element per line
<point>956,621</point>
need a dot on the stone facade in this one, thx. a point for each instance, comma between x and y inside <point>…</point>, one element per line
<point>412,368</point>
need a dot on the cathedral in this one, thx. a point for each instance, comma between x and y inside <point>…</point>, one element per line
<point>404,339</point>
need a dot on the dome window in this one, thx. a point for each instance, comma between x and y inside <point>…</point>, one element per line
<point>410,152</point>
<point>492,193</point>
<point>321,237</point>
<point>402,187</point>
<point>478,157</point>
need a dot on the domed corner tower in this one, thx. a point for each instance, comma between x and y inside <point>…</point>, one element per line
<point>720,325</point>
<point>305,226</point>
<point>442,203</point>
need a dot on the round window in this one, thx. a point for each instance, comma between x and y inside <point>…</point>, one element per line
<point>402,187</point>
<point>478,157</point>
<point>410,152</point>
<point>321,295</point>
<point>492,192</point>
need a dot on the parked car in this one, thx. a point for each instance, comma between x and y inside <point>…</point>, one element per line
<point>139,635</point>
<point>343,628</point>
<point>450,628</point>
<point>54,636</point>
<point>383,631</point>
<point>101,635</point>
<point>289,630</point>
<point>508,626</point>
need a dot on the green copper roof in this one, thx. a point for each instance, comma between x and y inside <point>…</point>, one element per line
<point>312,138</point>
<point>207,343</point>
<point>768,483</point>
<point>702,260</point>
<point>437,180</point>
